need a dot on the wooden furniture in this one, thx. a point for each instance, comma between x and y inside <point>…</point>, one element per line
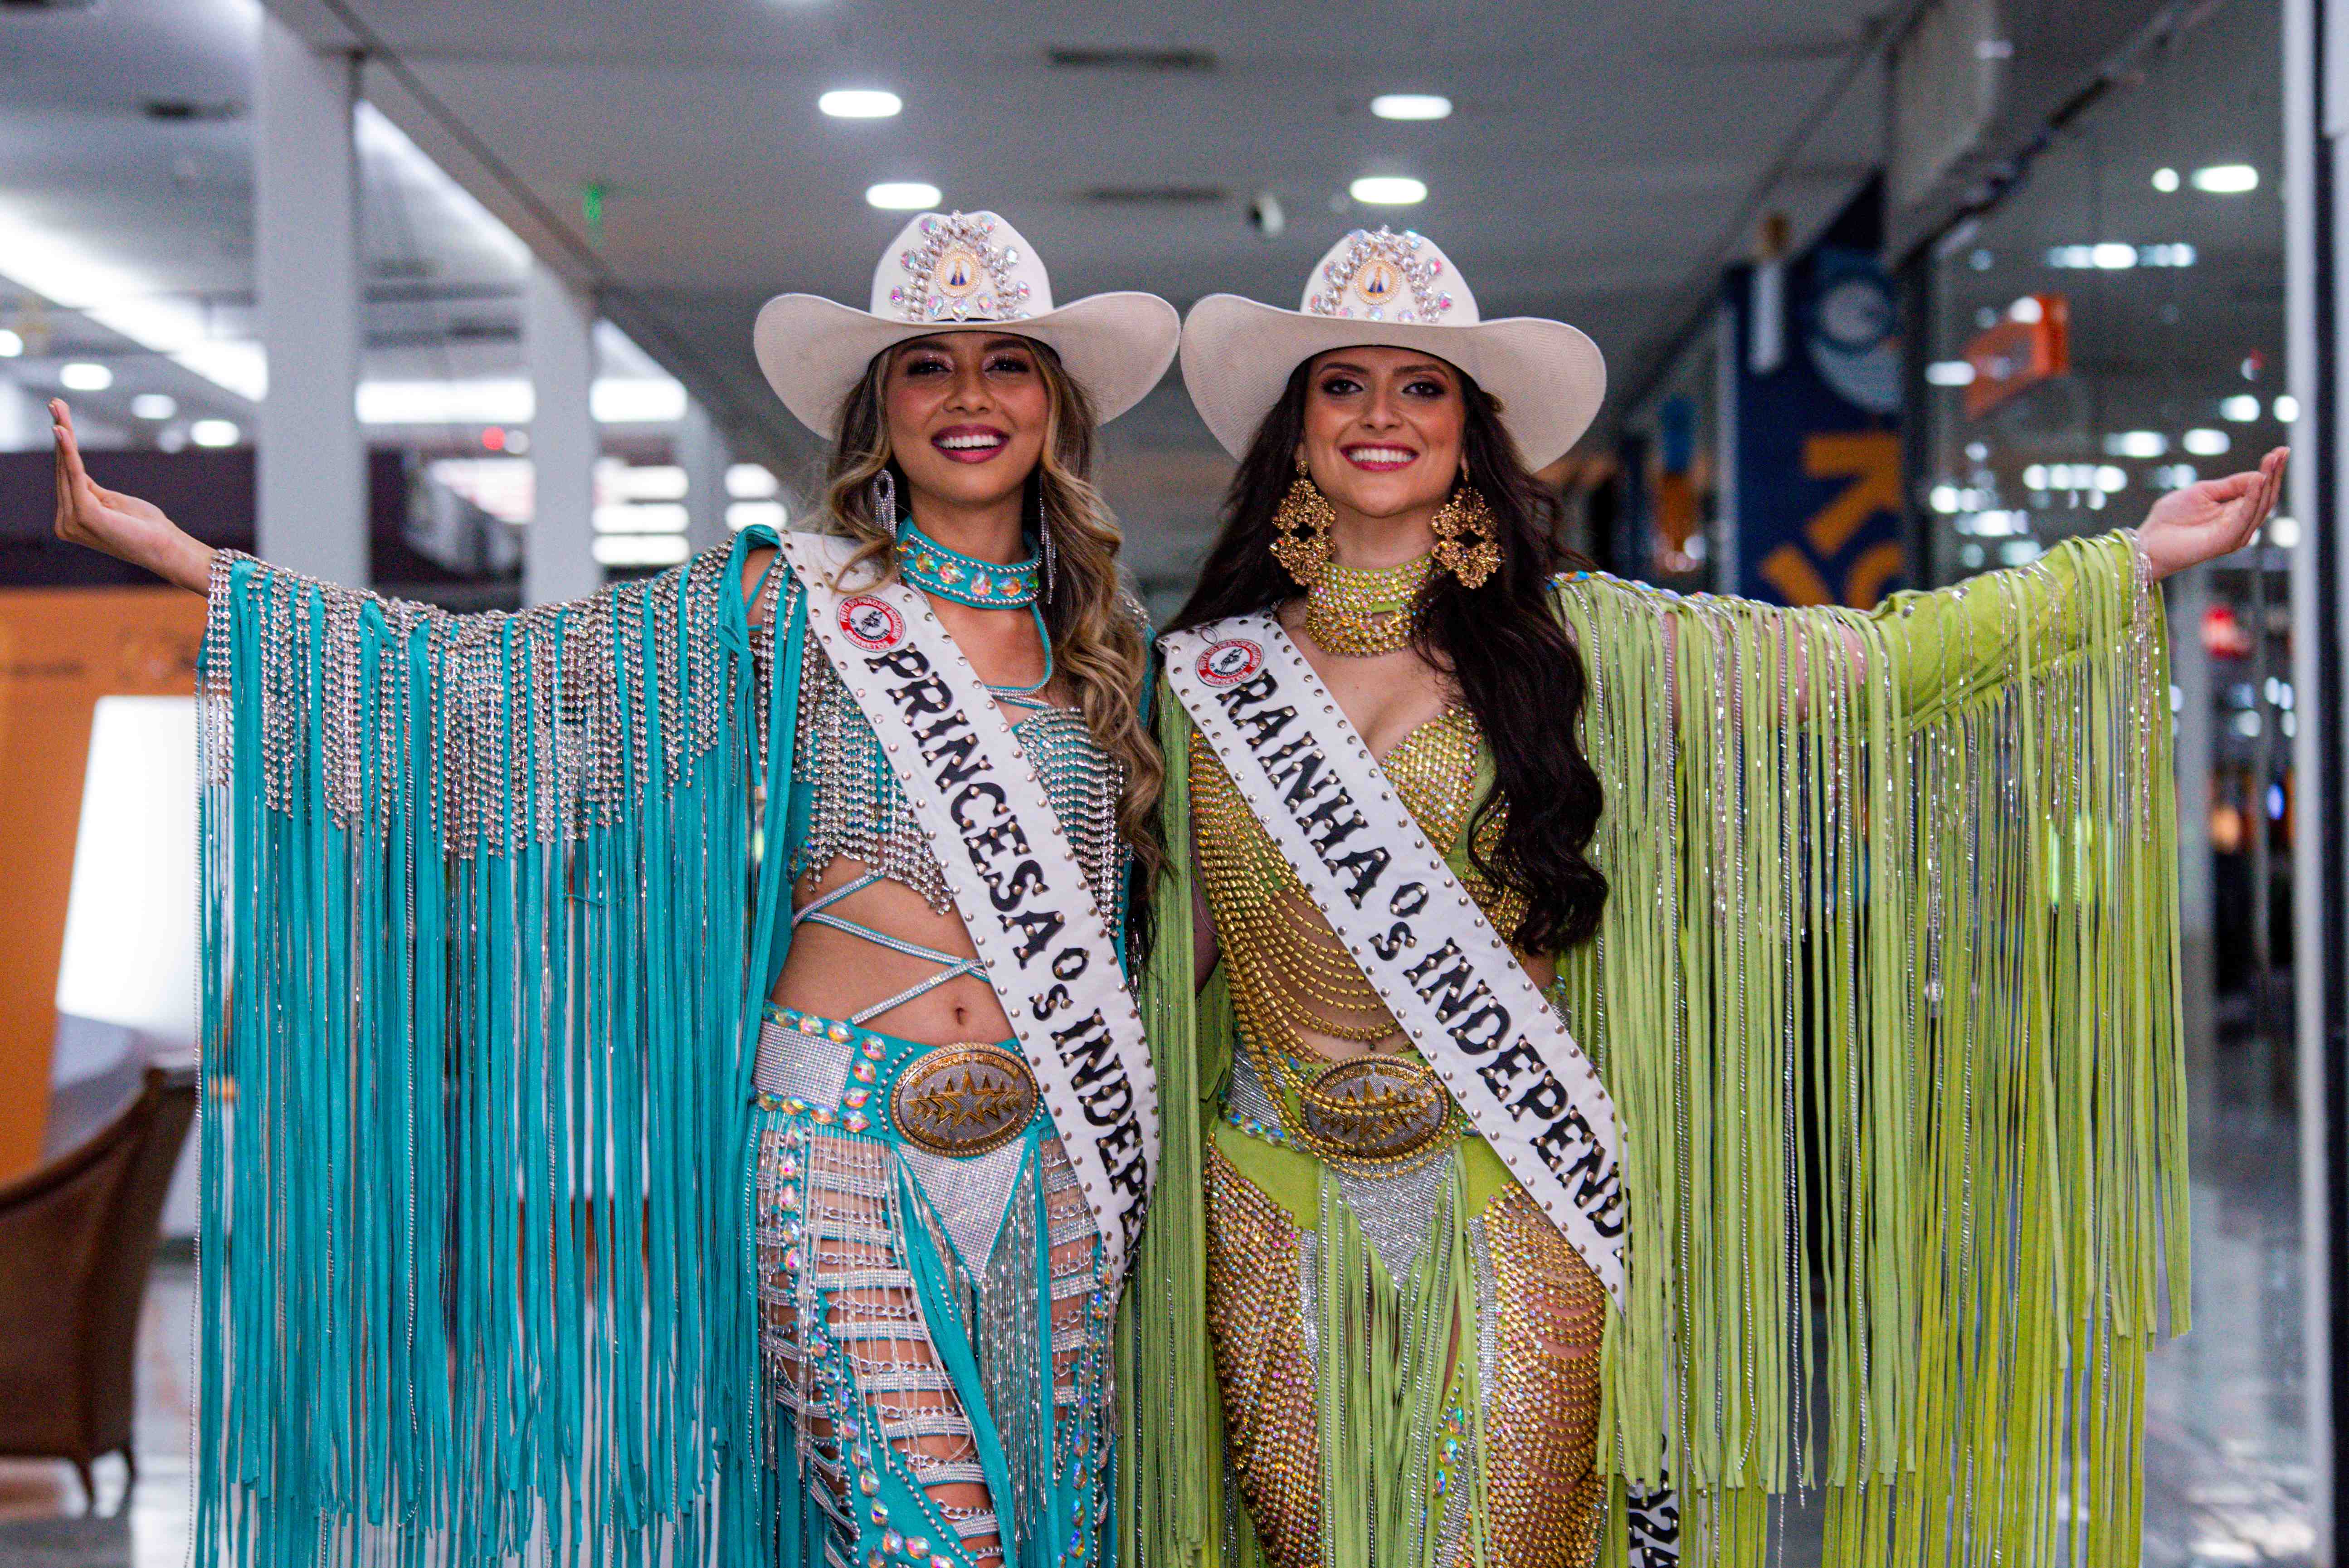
<point>77,1236</point>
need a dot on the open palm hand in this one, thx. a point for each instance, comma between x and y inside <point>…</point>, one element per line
<point>123,526</point>
<point>2214,518</point>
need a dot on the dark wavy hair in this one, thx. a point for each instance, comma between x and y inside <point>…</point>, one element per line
<point>1516,669</point>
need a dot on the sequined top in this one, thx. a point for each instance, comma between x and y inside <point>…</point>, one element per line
<point>1287,968</point>
<point>857,808</point>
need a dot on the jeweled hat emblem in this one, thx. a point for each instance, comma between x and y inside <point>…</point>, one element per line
<point>958,272</point>
<point>1382,276</point>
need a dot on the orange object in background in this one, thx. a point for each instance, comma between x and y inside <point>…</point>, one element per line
<point>2019,354</point>
<point>61,649</point>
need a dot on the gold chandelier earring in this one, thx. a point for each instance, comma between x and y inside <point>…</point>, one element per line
<point>1300,528</point>
<point>1465,545</point>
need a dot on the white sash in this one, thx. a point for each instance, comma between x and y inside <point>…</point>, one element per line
<point>1436,962</point>
<point>1016,881</point>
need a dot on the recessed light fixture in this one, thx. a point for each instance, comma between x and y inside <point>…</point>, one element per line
<point>2137,444</point>
<point>154,405</point>
<point>1388,190</point>
<point>11,344</point>
<point>860,103</point>
<point>2287,409</point>
<point>2227,179</point>
<point>2165,180</point>
<point>1411,106</point>
<point>2242,407</point>
<point>1950,372</point>
<point>2206,443</point>
<point>215,433</point>
<point>902,196</point>
<point>82,376</point>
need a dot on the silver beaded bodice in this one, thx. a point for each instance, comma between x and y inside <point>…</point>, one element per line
<point>856,809</point>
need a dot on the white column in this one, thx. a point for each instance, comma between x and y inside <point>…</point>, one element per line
<point>702,453</point>
<point>312,461</point>
<point>559,351</point>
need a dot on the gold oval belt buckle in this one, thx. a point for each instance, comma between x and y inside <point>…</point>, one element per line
<point>963,1099</point>
<point>1376,1107</point>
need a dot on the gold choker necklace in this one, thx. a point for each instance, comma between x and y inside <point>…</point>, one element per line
<point>1361,611</point>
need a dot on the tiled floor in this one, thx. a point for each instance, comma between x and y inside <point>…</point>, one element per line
<point>2227,1472</point>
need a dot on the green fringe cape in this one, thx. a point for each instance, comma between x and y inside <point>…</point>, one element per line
<point>1885,994</point>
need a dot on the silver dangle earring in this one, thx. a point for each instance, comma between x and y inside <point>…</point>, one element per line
<point>884,503</point>
<point>1044,548</point>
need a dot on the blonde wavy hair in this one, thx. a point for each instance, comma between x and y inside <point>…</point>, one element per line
<point>1101,639</point>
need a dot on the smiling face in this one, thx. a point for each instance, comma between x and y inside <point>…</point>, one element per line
<point>1382,430</point>
<point>966,414</point>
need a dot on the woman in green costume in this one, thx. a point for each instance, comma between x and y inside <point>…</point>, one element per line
<point>1860,927</point>
<point>628,1158</point>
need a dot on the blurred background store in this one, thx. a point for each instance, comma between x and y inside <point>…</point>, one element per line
<point>454,302</point>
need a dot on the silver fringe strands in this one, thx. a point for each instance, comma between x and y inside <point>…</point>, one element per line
<point>482,939</point>
<point>1886,995</point>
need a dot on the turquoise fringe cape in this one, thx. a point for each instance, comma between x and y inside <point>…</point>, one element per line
<point>486,924</point>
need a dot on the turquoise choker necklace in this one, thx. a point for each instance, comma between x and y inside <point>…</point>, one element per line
<point>931,566</point>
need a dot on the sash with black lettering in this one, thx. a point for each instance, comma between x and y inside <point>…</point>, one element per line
<point>1015,877</point>
<point>1419,939</point>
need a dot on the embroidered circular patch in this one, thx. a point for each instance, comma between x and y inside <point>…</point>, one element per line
<point>1230,660</point>
<point>871,624</point>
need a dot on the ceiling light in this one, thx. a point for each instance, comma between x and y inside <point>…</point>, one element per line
<point>2137,444</point>
<point>154,405</point>
<point>1388,190</point>
<point>655,517</point>
<point>2206,443</point>
<point>640,548</point>
<point>2242,407</point>
<point>2227,179</point>
<point>860,103</point>
<point>1411,106</point>
<point>2110,478</point>
<point>902,196</point>
<point>11,345</point>
<point>2113,256</point>
<point>215,433</point>
<point>1950,372</point>
<point>742,514</point>
<point>82,376</point>
<point>751,481</point>
<point>1944,499</point>
<point>2035,477</point>
<point>2287,409</point>
<point>2165,180</point>
<point>2026,310</point>
<point>2284,532</point>
<point>633,400</point>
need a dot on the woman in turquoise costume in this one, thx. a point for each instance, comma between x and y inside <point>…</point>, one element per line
<point>619,1152</point>
<point>1843,952</point>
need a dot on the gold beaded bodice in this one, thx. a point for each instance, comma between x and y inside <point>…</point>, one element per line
<point>1287,968</point>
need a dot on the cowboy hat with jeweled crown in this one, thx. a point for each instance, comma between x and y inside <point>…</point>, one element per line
<point>959,271</point>
<point>1396,291</point>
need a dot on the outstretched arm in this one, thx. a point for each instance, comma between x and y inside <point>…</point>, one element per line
<point>119,525</point>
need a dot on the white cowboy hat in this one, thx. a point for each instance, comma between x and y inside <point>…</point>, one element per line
<point>1401,291</point>
<point>954,272</point>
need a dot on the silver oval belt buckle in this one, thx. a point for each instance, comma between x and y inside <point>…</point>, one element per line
<point>1376,1107</point>
<point>963,1100</point>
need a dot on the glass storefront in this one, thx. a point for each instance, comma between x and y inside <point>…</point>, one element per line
<point>2111,327</point>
